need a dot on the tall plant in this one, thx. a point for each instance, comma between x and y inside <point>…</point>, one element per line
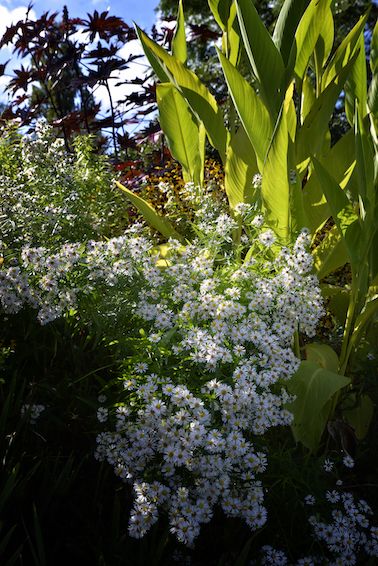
<point>280,130</point>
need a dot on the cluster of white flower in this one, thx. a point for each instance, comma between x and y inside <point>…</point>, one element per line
<point>348,537</point>
<point>220,352</point>
<point>53,283</point>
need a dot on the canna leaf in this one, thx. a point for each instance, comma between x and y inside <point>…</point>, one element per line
<point>343,213</point>
<point>181,129</point>
<point>314,388</point>
<point>286,25</point>
<point>179,39</point>
<point>373,89</point>
<point>241,166</point>
<point>330,254</point>
<point>344,52</point>
<point>307,35</point>
<point>252,111</point>
<point>355,86</point>
<point>275,181</point>
<point>265,59</point>
<point>201,101</point>
<point>158,222</point>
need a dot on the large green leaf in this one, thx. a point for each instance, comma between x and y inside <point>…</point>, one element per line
<point>286,25</point>
<point>314,388</point>
<point>311,136</point>
<point>252,111</point>
<point>201,101</point>
<point>275,181</point>
<point>343,213</point>
<point>307,35</point>
<point>265,58</point>
<point>355,86</point>
<point>322,355</point>
<point>241,166</point>
<point>326,37</point>
<point>221,12</point>
<point>344,52</point>
<point>148,212</point>
<point>179,39</point>
<point>330,254</point>
<point>373,89</point>
<point>181,129</point>
<point>339,161</point>
<point>360,415</point>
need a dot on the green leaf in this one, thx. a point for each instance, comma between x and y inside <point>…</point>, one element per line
<point>241,166</point>
<point>275,181</point>
<point>360,417</point>
<point>314,388</point>
<point>154,61</point>
<point>343,213</point>
<point>339,161</point>
<point>373,89</point>
<point>158,222</point>
<point>326,37</point>
<point>355,86</point>
<point>330,254</point>
<point>307,35</point>
<point>221,12</point>
<point>286,25</point>
<point>322,355</point>
<point>250,108</point>
<point>311,136</point>
<point>344,52</point>
<point>265,59</point>
<point>181,130</point>
<point>201,101</point>
<point>179,39</point>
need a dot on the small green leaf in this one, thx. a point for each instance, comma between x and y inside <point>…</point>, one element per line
<point>314,388</point>
<point>158,222</point>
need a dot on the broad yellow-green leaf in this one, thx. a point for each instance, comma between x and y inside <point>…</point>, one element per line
<point>307,35</point>
<point>360,416</point>
<point>308,97</point>
<point>286,25</point>
<point>201,101</point>
<point>339,161</point>
<point>241,166</point>
<point>355,86</point>
<point>322,355</point>
<point>179,39</point>
<point>181,129</point>
<point>343,213</point>
<point>252,111</point>
<point>330,254</point>
<point>373,89</point>
<point>324,44</point>
<point>265,58</point>
<point>365,170</point>
<point>275,181</point>
<point>154,61</point>
<point>314,388</point>
<point>344,52</point>
<point>221,11</point>
<point>311,136</point>
<point>158,222</point>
